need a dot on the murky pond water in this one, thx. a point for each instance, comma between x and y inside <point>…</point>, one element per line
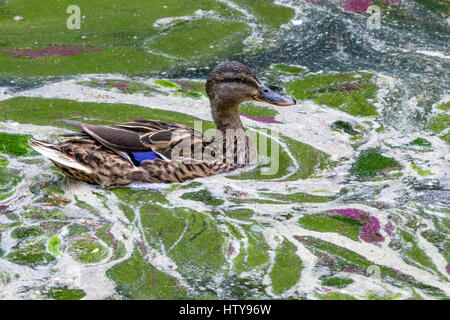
<point>359,205</point>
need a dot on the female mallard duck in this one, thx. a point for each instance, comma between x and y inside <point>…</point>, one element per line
<point>156,151</point>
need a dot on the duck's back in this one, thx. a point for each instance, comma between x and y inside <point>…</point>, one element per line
<point>137,151</point>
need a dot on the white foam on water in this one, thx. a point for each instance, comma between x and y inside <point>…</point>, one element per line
<point>198,14</point>
<point>433,54</point>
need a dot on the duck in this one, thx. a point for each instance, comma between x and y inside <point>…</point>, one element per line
<point>153,151</point>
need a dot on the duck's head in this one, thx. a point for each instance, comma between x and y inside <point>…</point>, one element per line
<point>231,83</point>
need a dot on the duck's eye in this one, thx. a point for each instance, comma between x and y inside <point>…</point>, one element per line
<point>265,90</point>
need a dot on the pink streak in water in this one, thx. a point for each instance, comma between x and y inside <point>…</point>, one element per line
<point>370,231</point>
<point>389,228</point>
<point>362,5</point>
<point>49,51</point>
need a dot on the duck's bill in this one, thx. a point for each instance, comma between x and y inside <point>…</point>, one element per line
<point>270,96</point>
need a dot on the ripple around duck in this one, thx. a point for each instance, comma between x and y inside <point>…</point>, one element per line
<point>357,209</point>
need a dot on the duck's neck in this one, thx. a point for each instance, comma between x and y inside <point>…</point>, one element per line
<point>226,115</point>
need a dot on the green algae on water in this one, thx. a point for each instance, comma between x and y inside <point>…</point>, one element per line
<point>6,226</point>
<point>420,142</point>
<point>188,94</point>
<point>308,159</point>
<point>348,92</point>
<point>255,256</point>
<point>16,145</point>
<point>234,232</point>
<point>191,185</point>
<point>356,138</point>
<point>345,126</point>
<point>41,111</point>
<point>271,14</point>
<point>344,258</point>
<point>192,85</point>
<point>9,180</point>
<point>64,293</point>
<point>127,211</point>
<point>372,295</point>
<point>88,250</point>
<point>125,39</point>
<point>84,205</point>
<point>54,244</point>
<point>438,123</point>
<point>204,196</point>
<point>257,111</point>
<point>288,69</point>
<point>166,84</point>
<point>22,233</point>
<point>76,230</point>
<point>131,87</point>
<point>190,238</point>
<point>32,255</point>
<point>439,240</point>
<point>336,282</point>
<point>335,296</point>
<point>287,267</point>
<point>136,279</point>
<point>53,190</point>
<point>421,171</point>
<point>38,213</point>
<point>117,246</point>
<point>338,258</point>
<point>124,86</point>
<point>254,200</point>
<point>240,214</point>
<point>202,38</point>
<point>444,106</point>
<point>413,254</point>
<point>370,163</point>
<point>3,162</point>
<point>283,162</point>
<point>132,197</point>
<point>332,223</point>
<point>298,197</point>
<point>51,227</point>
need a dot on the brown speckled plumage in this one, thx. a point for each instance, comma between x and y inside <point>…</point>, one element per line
<point>100,154</point>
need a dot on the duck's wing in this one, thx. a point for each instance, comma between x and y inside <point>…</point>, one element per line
<point>138,135</point>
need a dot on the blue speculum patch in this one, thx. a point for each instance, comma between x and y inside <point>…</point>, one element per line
<point>141,156</point>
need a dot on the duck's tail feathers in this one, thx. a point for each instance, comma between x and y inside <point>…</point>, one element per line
<point>76,124</point>
<point>52,152</point>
